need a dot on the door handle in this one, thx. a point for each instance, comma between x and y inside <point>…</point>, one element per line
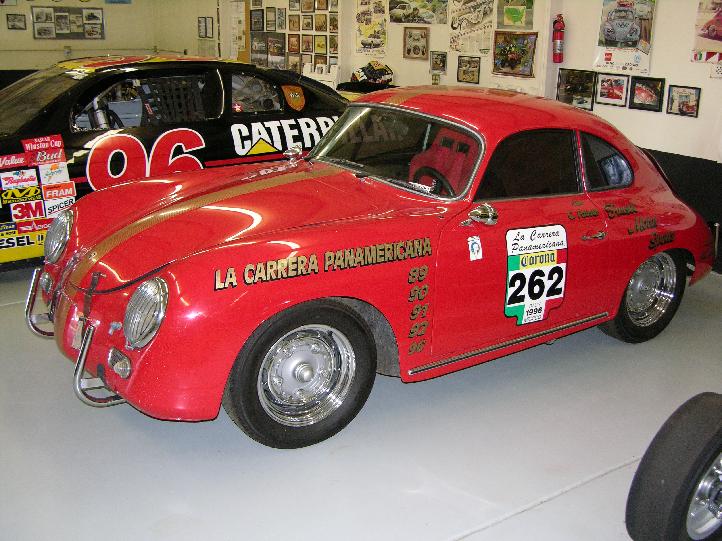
<point>484,213</point>
<point>597,236</point>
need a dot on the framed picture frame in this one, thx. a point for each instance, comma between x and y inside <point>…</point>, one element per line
<point>333,23</point>
<point>319,60</point>
<point>333,5</point>
<point>209,27</point>
<point>333,60</point>
<point>333,44</point>
<point>294,5</point>
<point>307,6</point>
<point>320,22</point>
<point>256,4</point>
<point>257,20</point>
<point>467,69</point>
<point>307,43</point>
<point>280,18</point>
<point>683,100</point>
<point>320,44</point>
<point>416,42</point>
<point>293,44</point>
<point>612,89</point>
<point>294,23</point>
<point>514,53</point>
<point>270,19</point>
<point>321,5</point>
<point>306,59</point>
<point>576,87</point>
<point>307,23</point>
<point>16,21</point>
<point>293,62</point>
<point>646,94</point>
<point>438,61</point>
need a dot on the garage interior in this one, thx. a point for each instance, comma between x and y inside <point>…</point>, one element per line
<point>544,441</point>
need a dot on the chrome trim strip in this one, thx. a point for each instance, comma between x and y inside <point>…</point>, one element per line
<point>716,239</point>
<point>33,319</point>
<point>82,384</point>
<point>506,344</point>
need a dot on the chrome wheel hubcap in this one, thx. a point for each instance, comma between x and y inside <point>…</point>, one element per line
<point>704,515</point>
<point>651,289</point>
<point>306,375</point>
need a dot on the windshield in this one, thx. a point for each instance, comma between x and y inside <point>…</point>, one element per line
<point>414,151</point>
<point>24,99</point>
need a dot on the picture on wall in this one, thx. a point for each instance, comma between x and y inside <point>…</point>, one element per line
<point>67,23</point>
<point>471,27</point>
<point>333,5</point>
<point>624,42</point>
<point>576,87</point>
<point>646,93</point>
<point>438,61</point>
<point>321,5</point>
<point>708,33</point>
<point>514,14</point>
<point>270,19</point>
<point>333,44</point>
<point>514,53</point>
<point>320,45</point>
<point>43,15</point>
<point>683,100</point>
<point>419,11</point>
<point>259,48</point>
<point>307,6</point>
<point>306,59</point>
<point>294,23</point>
<point>467,70</point>
<point>333,22</point>
<point>612,89</point>
<point>256,3</point>
<point>16,21</point>
<point>62,23</point>
<point>371,28</point>
<point>416,42</point>
<point>294,43</point>
<point>281,19</point>
<point>307,23</point>
<point>294,5</point>
<point>293,62</point>
<point>319,60</point>
<point>320,22</point>
<point>277,50</point>
<point>257,20</point>
<point>307,43</point>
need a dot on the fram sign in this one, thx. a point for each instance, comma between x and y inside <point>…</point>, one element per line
<point>57,191</point>
<point>20,195</point>
<point>29,210</point>
<point>277,135</point>
<point>22,178</point>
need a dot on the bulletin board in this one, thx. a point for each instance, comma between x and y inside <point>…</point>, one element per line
<point>68,23</point>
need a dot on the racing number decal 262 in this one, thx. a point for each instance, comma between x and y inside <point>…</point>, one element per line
<point>536,272</point>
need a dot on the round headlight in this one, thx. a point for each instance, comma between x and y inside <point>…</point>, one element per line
<point>145,312</point>
<point>58,235</point>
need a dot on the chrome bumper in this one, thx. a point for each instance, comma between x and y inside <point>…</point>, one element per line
<point>81,383</point>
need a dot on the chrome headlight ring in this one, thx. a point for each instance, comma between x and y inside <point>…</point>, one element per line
<point>145,313</point>
<point>58,235</point>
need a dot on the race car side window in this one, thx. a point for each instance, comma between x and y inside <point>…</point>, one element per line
<point>252,94</point>
<point>532,163</point>
<point>605,167</point>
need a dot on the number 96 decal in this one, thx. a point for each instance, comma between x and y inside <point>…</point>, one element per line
<point>536,272</point>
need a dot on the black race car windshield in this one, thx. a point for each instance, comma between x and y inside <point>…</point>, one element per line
<point>23,100</point>
<point>413,151</point>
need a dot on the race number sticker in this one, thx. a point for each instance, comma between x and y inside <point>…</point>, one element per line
<point>536,272</point>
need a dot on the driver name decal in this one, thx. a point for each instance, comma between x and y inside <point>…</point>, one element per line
<point>536,272</point>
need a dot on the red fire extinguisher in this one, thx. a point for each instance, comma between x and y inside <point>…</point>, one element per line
<point>558,39</point>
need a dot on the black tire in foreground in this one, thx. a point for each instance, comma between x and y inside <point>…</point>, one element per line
<point>676,493</point>
<point>650,300</point>
<point>302,376</point>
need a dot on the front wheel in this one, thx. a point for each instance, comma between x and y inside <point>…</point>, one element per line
<point>676,493</point>
<point>301,377</point>
<point>650,300</point>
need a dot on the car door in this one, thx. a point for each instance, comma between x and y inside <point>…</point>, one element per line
<point>530,256</point>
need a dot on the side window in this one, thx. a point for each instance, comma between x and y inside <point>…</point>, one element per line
<point>604,166</point>
<point>531,163</point>
<point>251,94</point>
<point>153,101</point>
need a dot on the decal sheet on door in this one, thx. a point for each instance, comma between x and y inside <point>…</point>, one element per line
<point>536,272</point>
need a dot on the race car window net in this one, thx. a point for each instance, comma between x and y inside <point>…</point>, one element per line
<point>23,100</point>
<point>531,163</point>
<point>250,94</point>
<point>415,151</point>
<point>604,166</point>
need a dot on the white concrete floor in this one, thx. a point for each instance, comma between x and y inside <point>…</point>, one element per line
<point>545,441</point>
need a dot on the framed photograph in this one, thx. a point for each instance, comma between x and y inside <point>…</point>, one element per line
<point>416,42</point>
<point>321,5</point>
<point>333,60</point>
<point>294,23</point>
<point>16,21</point>
<point>319,60</point>
<point>612,89</point>
<point>202,27</point>
<point>333,22</point>
<point>209,27</point>
<point>257,20</point>
<point>280,18</point>
<point>307,6</point>
<point>438,62</point>
<point>576,87</point>
<point>306,59</point>
<point>293,62</point>
<point>307,23</point>
<point>256,3</point>
<point>646,93</point>
<point>44,30</point>
<point>320,22</point>
<point>333,5</point>
<point>683,100</point>
<point>43,15</point>
<point>333,44</point>
<point>92,16</point>
<point>294,43</point>
<point>307,43</point>
<point>294,5</point>
<point>514,53</point>
<point>320,44</point>
<point>276,50</point>
<point>62,23</point>
<point>468,68</point>
<point>270,19</point>
<point>259,48</point>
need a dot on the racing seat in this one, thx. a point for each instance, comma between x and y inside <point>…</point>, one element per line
<point>452,154</point>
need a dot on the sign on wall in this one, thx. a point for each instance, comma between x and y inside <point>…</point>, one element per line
<point>471,26</point>
<point>625,36</point>
<point>708,34</point>
<point>68,23</point>
<point>370,28</point>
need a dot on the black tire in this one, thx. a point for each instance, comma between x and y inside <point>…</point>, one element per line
<point>668,476</point>
<point>261,405</point>
<point>628,325</point>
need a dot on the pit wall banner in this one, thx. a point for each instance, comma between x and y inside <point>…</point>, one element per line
<point>624,44</point>
<point>708,33</point>
<point>371,27</point>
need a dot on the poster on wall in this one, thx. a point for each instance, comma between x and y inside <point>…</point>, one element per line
<point>418,11</point>
<point>708,33</point>
<point>238,27</point>
<point>277,50</point>
<point>624,43</point>
<point>371,27</point>
<point>259,48</point>
<point>68,23</point>
<point>515,14</point>
<point>471,26</point>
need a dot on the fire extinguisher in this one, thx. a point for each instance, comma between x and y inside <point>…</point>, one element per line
<point>558,39</point>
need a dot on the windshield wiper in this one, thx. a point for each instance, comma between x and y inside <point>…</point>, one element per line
<point>343,162</point>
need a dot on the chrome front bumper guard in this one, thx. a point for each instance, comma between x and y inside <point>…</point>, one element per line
<point>81,383</point>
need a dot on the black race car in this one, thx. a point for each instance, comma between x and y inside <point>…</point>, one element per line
<point>86,124</point>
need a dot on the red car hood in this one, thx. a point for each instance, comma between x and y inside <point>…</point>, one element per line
<point>192,212</point>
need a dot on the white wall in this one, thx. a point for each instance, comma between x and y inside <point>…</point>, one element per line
<point>176,26</point>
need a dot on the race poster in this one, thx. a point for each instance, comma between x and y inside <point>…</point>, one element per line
<point>515,15</point>
<point>418,11</point>
<point>371,27</point>
<point>708,33</point>
<point>471,26</point>
<point>625,36</point>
